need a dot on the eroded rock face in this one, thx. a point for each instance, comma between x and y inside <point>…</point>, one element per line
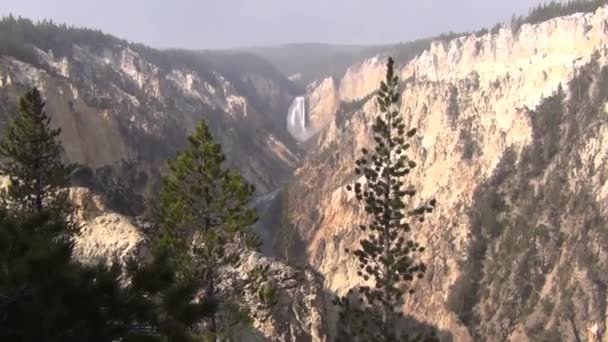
<point>474,101</point>
<point>362,79</point>
<point>298,315</point>
<point>115,105</point>
<point>300,310</point>
<point>105,236</point>
<point>323,101</point>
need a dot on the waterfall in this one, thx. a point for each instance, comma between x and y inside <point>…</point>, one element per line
<point>296,120</point>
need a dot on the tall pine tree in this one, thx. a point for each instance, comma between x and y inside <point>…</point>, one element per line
<point>172,310</point>
<point>33,161</point>
<point>387,256</point>
<point>47,296</point>
<point>206,221</point>
<point>44,294</point>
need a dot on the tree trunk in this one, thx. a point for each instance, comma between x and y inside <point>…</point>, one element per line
<point>387,242</point>
<point>38,195</point>
<point>211,288</point>
<point>211,296</point>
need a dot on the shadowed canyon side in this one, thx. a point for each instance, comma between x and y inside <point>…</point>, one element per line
<point>512,128</point>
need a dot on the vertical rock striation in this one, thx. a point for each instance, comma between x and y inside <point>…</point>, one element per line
<point>512,146</point>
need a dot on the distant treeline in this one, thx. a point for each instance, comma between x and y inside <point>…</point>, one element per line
<point>556,9</point>
<point>19,36</point>
<point>405,52</point>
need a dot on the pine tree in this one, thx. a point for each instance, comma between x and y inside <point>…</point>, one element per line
<point>387,255</point>
<point>47,296</point>
<point>205,219</point>
<point>33,162</point>
<point>172,310</point>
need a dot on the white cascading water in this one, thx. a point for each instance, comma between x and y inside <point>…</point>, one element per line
<point>296,120</point>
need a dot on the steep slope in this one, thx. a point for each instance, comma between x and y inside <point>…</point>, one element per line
<point>517,165</point>
<point>129,107</point>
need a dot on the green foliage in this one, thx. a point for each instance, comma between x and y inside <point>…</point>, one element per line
<point>18,36</point>
<point>33,161</point>
<point>358,322</point>
<point>387,256</point>
<point>545,129</point>
<point>204,203</point>
<point>470,147</point>
<point>266,291</point>
<point>547,306</point>
<point>173,309</point>
<point>120,185</point>
<point>233,65</point>
<point>205,221</point>
<point>453,109</point>
<point>485,225</point>
<point>267,294</point>
<point>553,9</point>
<point>316,61</point>
<point>45,296</point>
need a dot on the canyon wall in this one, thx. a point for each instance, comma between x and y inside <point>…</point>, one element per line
<point>512,145</point>
<point>128,110</point>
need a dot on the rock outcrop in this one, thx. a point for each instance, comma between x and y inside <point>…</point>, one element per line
<point>105,236</point>
<point>297,315</point>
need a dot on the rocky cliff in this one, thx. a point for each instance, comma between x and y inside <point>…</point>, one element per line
<point>297,314</point>
<point>129,108</point>
<point>513,147</point>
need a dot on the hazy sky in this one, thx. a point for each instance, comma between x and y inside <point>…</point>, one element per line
<point>202,24</point>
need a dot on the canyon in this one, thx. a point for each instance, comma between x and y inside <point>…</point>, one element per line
<point>512,144</point>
